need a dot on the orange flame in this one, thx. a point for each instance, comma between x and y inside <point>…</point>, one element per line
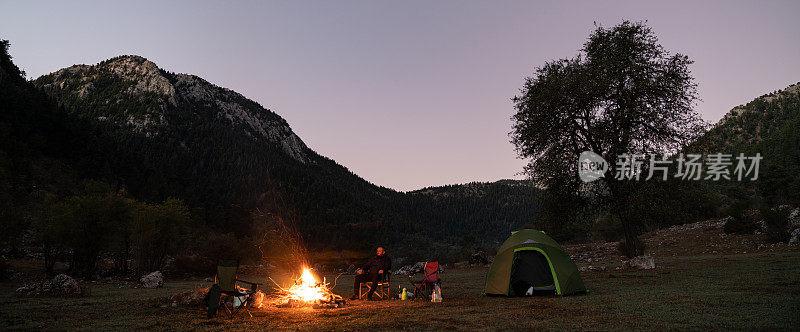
<point>307,289</point>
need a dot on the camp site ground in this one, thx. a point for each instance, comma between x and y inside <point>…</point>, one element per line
<point>704,279</point>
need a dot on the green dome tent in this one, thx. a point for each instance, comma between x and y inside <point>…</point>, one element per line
<point>530,262</point>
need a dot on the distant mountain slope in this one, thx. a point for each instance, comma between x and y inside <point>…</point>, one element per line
<point>765,117</point>
<point>769,125</point>
<point>179,135</point>
<point>106,89</point>
<point>487,210</point>
<point>215,148</point>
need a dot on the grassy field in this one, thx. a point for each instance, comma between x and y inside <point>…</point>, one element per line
<point>745,291</point>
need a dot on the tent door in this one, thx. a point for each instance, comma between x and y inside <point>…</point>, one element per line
<point>531,275</point>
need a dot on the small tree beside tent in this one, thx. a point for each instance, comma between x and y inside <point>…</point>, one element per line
<point>531,263</point>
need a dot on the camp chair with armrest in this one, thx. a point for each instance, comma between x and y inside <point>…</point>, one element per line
<point>225,284</point>
<point>426,286</point>
<point>383,287</point>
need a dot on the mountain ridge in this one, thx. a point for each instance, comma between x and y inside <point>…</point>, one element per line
<point>144,76</point>
<point>768,125</point>
<point>210,145</point>
<point>214,147</point>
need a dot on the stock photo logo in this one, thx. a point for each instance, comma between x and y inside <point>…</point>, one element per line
<point>591,166</point>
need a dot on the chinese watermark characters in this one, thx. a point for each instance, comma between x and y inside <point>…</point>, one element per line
<point>713,167</point>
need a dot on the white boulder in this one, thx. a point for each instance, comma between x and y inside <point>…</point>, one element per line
<point>152,280</point>
<point>644,262</point>
<point>794,239</point>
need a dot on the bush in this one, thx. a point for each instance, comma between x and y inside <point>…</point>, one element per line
<point>739,226</point>
<point>87,225</point>
<point>102,223</point>
<point>157,231</point>
<point>740,220</point>
<point>5,270</point>
<point>777,222</point>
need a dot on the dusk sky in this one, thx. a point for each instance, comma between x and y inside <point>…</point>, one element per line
<point>405,94</point>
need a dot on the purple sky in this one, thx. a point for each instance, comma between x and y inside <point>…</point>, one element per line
<point>405,94</point>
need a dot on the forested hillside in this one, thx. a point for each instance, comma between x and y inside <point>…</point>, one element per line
<point>225,155</point>
<point>42,150</point>
<point>149,134</point>
<point>472,215</point>
<point>769,125</point>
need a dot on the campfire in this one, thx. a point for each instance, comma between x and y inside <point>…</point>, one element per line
<point>308,291</point>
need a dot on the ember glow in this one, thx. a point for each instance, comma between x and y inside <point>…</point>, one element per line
<point>306,290</point>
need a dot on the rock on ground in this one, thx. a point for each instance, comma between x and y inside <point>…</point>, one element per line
<point>190,298</point>
<point>794,239</point>
<point>152,280</point>
<point>794,218</point>
<point>418,267</point>
<point>61,285</point>
<point>411,269</point>
<point>479,257</point>
<point>644,262</point>
<point>66,285</point>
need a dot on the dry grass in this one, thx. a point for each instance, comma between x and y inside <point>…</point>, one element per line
<point>745,291</point>
<point>705,280</point>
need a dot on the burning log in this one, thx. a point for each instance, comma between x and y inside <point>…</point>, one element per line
<point>307,291</point>
<point>331,303</point>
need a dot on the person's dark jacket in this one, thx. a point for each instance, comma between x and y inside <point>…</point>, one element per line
<point>378,263</point>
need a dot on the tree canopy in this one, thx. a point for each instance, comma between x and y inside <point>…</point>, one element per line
<point>622,94</point>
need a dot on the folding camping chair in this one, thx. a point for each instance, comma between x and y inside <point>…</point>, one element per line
<point>383,287</point>
<point>426,286</point>
<point>225,284</point>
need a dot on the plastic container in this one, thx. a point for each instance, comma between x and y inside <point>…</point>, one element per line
<point>437,294</point>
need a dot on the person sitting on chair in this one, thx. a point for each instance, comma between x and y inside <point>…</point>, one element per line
<point>372,272</point>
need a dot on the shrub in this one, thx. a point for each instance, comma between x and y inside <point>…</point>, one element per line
<point>740,220</point>
<point>5,270</point>
<point>87,225</point>
<point>777,222</point>
<point>739,226</point>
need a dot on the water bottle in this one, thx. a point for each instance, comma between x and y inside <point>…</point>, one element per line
<point>437,294</point>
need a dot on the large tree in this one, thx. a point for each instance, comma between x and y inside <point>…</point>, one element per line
<point>623,93</point>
